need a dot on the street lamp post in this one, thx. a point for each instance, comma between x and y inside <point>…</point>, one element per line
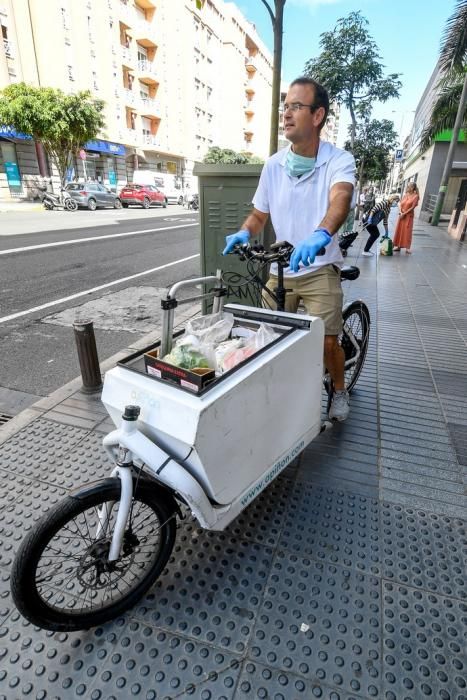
<point>401,145</point>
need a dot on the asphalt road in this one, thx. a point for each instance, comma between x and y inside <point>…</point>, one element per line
<point>45,273</point>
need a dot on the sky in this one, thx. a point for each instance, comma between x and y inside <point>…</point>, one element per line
<point>407,34</point>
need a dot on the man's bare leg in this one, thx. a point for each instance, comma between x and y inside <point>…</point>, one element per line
<point>334,360</point>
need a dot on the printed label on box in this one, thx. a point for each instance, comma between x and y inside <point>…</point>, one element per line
<point>153,370</point>
<point>188,385</point>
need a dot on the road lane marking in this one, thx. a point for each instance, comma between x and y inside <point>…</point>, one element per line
<point>91,238</point>
<point>11,317</point>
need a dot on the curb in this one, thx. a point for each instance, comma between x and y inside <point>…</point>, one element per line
<point>46,403</point>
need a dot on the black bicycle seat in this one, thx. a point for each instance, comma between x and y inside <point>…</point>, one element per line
<point>350,273</point>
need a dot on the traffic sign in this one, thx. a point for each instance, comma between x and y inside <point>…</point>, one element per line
<point>399,154</point>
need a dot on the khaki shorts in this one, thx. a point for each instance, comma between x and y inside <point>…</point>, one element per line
<point>321,293</point>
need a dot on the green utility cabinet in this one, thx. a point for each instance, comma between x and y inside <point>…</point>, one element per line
<point>225,195</point>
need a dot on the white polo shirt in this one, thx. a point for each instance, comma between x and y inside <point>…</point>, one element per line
<point>297,205</point>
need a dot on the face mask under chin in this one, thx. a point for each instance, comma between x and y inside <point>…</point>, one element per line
<point>297,165</point>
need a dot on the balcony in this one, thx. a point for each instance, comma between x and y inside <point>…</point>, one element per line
<point>8,47</point>
<point>127,56</point>
<point>250,65</point>
<point>144,32</point>
<point>129,97</point>
<point>146,4</point>
<point>147,73</point>
<point>128,136</point>
<point>126,12</point>
<point>147,107</point>
<point>249,109</point>
<point>149,140</point>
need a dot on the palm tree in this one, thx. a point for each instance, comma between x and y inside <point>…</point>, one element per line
<point>452,63</point>
<point>452,101</point>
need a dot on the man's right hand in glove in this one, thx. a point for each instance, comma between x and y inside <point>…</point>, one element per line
<point>234,239</point>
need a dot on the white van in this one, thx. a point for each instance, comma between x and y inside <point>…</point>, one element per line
<point>169,184</point>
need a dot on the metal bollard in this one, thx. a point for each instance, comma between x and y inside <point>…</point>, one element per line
<point>87,356</point>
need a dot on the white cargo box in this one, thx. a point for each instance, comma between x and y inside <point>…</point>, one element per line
<point>267,407</point>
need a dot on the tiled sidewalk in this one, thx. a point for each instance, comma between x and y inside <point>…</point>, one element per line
<point>345,579</point>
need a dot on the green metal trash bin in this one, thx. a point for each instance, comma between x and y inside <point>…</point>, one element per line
<point>225,195</point>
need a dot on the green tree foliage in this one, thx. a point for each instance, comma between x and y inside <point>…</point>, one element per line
<point>349,67</point>
<point>227,155</point>
<point>62,123</point>
<point>374,142</point>
<point>453,64</point>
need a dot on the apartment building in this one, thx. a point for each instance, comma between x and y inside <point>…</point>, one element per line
<point>176,76</point>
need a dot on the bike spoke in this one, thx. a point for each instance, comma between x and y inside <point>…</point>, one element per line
<point>73,573</point>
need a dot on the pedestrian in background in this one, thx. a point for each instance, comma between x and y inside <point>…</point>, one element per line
<point>360,203</point>
<point>370,200</point>
<point>404,226</point>
<point>379,212</point>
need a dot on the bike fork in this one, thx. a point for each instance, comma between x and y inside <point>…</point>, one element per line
<point>123,472</point>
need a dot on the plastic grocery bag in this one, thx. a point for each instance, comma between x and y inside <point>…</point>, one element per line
<point>187,357</point>
<point>386,247</point>
<point>211,330</point>
<point>263,336</point>
<point>199,342</point>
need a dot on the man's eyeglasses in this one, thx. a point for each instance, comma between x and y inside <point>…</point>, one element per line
<point>296,106</point>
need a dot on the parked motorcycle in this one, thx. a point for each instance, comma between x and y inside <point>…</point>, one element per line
<point>63,201</point>
<point>194,202</point>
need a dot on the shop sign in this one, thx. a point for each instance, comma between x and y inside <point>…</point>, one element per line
<point>12,175</point>
<point>114,149</point>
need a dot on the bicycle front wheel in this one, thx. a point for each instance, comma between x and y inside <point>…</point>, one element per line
<point>62,578</point>
<point>354,340</point>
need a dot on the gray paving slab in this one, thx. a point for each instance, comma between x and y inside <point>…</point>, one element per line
<point>341,527</point>
<point>39,664</point>
<point>424,644</point>
<point>424,550</point>
<point>321,621</point>
<point>211,589</point>
<point>259,681</point>
<point>20,515</point>
<point>151,663</point>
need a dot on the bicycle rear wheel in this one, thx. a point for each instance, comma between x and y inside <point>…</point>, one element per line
<point>354,340</point>
<point>62,578</point>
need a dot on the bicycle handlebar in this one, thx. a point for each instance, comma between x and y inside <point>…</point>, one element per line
<point>279,252</point>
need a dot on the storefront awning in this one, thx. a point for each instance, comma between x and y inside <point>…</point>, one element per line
<point>7,132</point>
<point>112,149</point>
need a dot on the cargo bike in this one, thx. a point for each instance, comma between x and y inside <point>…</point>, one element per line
<point>184,441</point>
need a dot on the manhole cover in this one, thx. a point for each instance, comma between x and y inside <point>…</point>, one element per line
<point>4,417</point>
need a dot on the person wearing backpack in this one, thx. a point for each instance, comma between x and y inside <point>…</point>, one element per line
<point>379,212</point>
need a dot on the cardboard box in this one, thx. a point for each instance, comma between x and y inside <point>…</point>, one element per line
<point>194,380</point>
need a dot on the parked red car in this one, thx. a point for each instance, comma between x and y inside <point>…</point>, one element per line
<point>144,195</point>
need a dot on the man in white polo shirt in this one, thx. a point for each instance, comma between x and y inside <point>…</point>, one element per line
<point>307,190</point>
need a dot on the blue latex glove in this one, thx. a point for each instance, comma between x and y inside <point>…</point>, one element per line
<point>234,238</point>
<point>305,252</point>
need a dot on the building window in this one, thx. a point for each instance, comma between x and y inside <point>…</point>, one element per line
<point>94,80</point>
<point>70,73</point>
